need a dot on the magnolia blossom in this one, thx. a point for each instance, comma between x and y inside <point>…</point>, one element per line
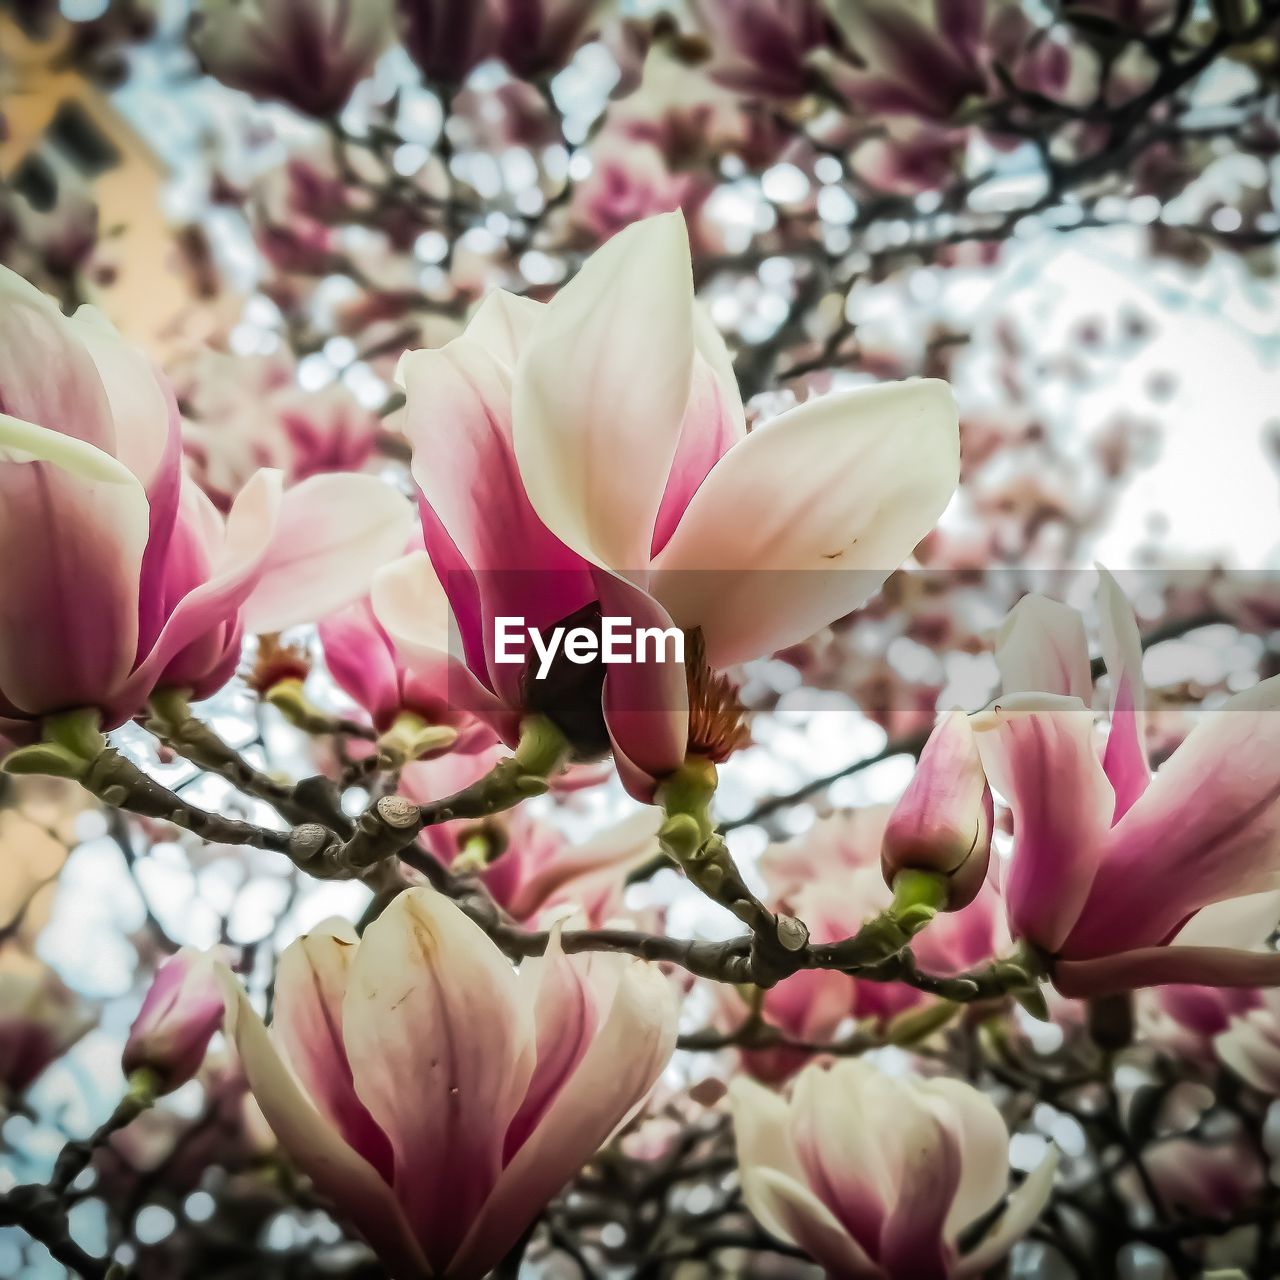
<point>121,575</point>
<point>831,878</point>
<point>1213,1180</point>
<point>1190,1016</point>
<point>1250,1046</point>
<point>943,821</point>
<point>629,181</point>
<point>40,1019</point>
<point>631,489</point>
<point>877,1176</point>
<point>1109,862</point>
<point>434,1095</point>
<point>530,868</point>
<point>536,40</point>
<point>179,1015</point>
<point>447,39</point>
<point>241,413</point>
<point>763,46</point>
<point>366,667</point>
<point>309,55</point>
<point>927,58</point>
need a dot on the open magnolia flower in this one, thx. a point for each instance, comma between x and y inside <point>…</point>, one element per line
<point>1110,863</point>
<point>877,1177</point>
<point>120,575</point>
<point>434,1095</point>
<point>589,459</point>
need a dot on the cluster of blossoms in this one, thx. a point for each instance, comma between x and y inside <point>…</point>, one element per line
<point>439,1096</point>
<point>1013,1008</point>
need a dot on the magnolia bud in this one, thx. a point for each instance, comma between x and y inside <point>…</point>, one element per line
<point>943,822</point>
<point>177,1020</point>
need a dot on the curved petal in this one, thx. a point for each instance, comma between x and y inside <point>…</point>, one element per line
<point>358,653</point>
<point>47,376</point>
<point>1125,758</point>
<point>1024,1207</point>
<point>646,704</point>
<point>215,602</point>
<point>617,850</point>
<point>311,981</point>
<point>800,522</point>
<point>1038,752</point>
<point>983,1140</point>
<point>567,1016</point>
<point>411,605</point>
<point>1243,923</point>
<point>790,1212</point>
<point>73,533</point>
<point>334,533</point>
<point>432,1003</point>
<point>762,1129</point>
<point>601,391</point>
<point>636,1039</point>
<point>841,1144</point>
<point>458,417</point>
<point>1251,1048</point>
<point>713,422</point>
<point>1042,648</point>
<point>1207,828</point>
<point>913,1242</point>
<point>148,440</point>
<point>142,407</point>
<point>344,1178</point>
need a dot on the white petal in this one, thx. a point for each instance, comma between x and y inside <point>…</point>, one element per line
<point>1042,648</point>
<point>339,1174</point>
<point>600,392</point>
<point>1020,1214</point>
<point>800,522</point>
<point>334,533</point>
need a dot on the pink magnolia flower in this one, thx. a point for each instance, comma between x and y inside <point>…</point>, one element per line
<point>537,40</point>
<point>241,413</point>
<point>927,58</point>
<point>831,878</point>
<point>874,1175</point>
<point>366,667</point>
<point>1200,1013</point>
<point>1213,1180</point>
<point>762,47</point>
<point>309,55</point>
<point>1109,862</point>
<point>809,1008</point>
<point>590,457</point>
<point>448,39</point>
<point>533,871</point>
<point>944,820</point>
<point>179,1015</point>
<point>122,576</point>
<point>1250,1045</point>
<point>630,181</point>
<point>436,1096</point>
<point>907,158</point>
<point>40,1019</point>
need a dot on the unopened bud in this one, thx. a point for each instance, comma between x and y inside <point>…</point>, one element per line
<point>944,820</point>
<point>177,1020</point>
